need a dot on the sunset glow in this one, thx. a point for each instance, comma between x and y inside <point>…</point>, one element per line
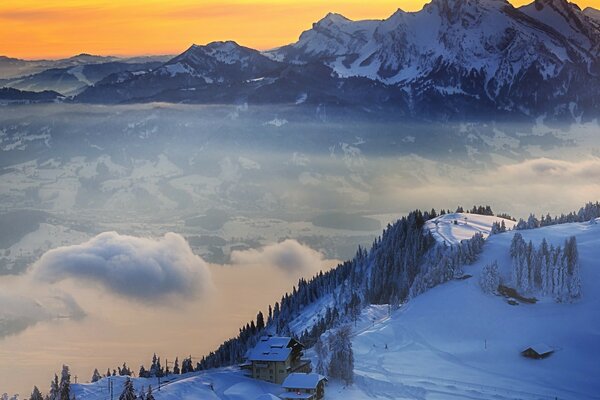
<point>60,28</point>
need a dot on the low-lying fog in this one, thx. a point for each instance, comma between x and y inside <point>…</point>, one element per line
<point>129,230</point>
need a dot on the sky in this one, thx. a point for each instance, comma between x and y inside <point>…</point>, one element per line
<point>33,29</point>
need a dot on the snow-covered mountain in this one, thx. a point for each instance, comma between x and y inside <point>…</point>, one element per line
<point>217,63</point>
<point>71,80</point>
<point>452,59</point>
<point>466,50</point>
<point>453,341</point>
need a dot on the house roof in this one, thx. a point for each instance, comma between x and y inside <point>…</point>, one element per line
<point>271,348</point>
<point>302,381</point>
<point>540,348</point>
<point>267,396</point>
<point>293,395</point>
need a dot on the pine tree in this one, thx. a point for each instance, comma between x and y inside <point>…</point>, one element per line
<point>322,362</point>
<point>36,394</point>
<point>149,396</point>
<point>128,391</point>
<point>489,280</point>
<point>96,375</point>
<point>176,369</point>
<point>65,383</point>
<point>341,365</point>
<point>54,393</point>
<point>260,321</point>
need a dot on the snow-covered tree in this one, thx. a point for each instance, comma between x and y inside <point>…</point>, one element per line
<point>149,395</point>
<point>489,280</point>
<point>65,384</point>
<point>128,391</point>
<point>322,356</point>
<point>341,365</point>
<point>54,393</point>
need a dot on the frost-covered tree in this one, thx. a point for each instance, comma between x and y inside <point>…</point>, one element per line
<point>128,391</point>
<point>322,356</point>
<point>65,384</point>
<point>36,394</point>
<point>489,280</point>
<point>341,365</point>
<point>54,393</point>
<point>149,395</point>
<point>546,270</point>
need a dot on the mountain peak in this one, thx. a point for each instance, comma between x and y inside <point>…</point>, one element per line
<point>333,18</point>
<point>560,4</point>
<point>592,13</point>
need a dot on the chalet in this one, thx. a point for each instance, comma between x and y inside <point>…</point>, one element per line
<point>274,358</point>
<point>304,386</point>
<point>537,351</point>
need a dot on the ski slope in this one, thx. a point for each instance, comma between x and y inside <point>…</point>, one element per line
<point>452,228</point>
<point>452,342</point>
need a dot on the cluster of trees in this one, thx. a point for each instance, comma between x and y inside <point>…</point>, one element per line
<point>498,227</point>
<point>404,261</point>
<point>128,392</point>
<point>335,357</point>
<point>444,263</point>
<point>59,389</point>
<point>586,213</point>
<point>547,270</point>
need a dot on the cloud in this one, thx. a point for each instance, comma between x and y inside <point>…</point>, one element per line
<point>139,268</point>
<point>18,312</point>
<point>546,170</point>
<point>288,256</point>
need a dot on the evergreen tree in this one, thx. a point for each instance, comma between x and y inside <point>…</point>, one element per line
<point>143,373</point>
<point>322,359</point>
<point>260,321</point>
<point>176,369</point>
<point>149,396</point>
<point>341,365</point>
<point>65,383</point>
<point>54,393</point>
<point>36,394</point>
<point>128,391</point>
<point>489,280</point>
<point>96,375</point>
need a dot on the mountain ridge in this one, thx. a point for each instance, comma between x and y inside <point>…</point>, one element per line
<point>454,59</point>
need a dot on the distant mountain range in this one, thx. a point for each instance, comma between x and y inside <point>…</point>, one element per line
<point>71,75</point>
<point>452,59</point>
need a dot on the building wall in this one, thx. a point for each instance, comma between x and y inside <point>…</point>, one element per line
<point>275,372</point>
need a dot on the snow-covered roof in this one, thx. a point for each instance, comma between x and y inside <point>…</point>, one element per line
<point>302,381</point>
<point>271,348</point>
<point>540,348</point>
<point>267,396</point>
<point>294,395</point>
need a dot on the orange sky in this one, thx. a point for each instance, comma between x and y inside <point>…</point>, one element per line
<point>61,28</point>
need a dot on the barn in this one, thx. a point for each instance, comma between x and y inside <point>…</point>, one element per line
<point>537,351</point>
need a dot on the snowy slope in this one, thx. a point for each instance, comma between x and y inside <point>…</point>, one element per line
<point>454,342</point>
<point>452,228</point>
